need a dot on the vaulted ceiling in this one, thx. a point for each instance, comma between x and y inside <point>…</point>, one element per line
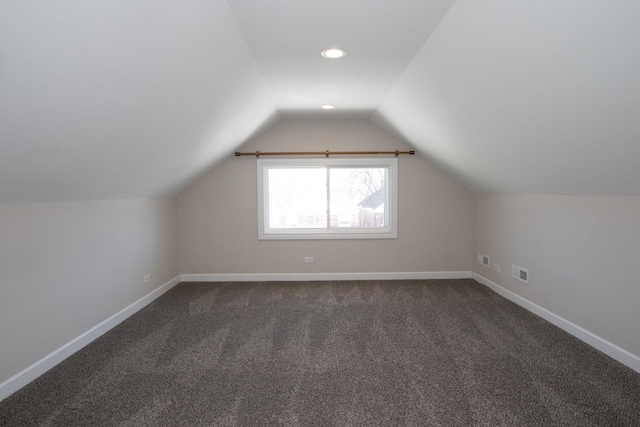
<point>125,99</point>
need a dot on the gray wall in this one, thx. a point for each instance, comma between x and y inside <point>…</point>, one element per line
<point>582,252</point>
<point>65,267</point>
<point>218,219</point>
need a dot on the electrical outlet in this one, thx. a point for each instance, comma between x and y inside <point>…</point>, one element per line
<point>308,259</point>
<point>519,273</point>
<point>147,278</point>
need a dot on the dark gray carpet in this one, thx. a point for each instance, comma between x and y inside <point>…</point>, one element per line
<point>387,353</point>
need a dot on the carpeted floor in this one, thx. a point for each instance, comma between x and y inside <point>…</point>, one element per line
<point>373,353</point>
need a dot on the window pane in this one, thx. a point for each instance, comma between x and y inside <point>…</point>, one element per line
<point>357,197</point>
<point>294,197</point>
<point>297,198</point>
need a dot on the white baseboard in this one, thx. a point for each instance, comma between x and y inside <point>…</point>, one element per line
<point>618,353</point>
<point>24,377</point>
<point>30,373</point>
<point>306,277</point>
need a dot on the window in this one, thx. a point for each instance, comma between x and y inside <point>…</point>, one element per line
<point>327,198</point>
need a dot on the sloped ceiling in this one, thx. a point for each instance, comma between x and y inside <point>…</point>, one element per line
<point>528,96</point>
<point>126,99</point>
<point>119,98</point>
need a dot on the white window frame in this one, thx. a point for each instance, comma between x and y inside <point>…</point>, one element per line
<point>390,231</point>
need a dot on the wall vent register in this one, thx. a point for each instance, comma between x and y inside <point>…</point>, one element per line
<point>519,273</point>
<point>483,259</point>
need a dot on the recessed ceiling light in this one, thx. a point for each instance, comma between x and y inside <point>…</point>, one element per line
<point>333,53</point>
<point>328,107</point>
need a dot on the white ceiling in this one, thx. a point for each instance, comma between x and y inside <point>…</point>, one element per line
<point>124,99</point>
<point>120,98</point>
<point>381,38</point>
<point>520,96</point>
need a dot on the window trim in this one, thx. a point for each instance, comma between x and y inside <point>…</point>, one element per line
<point>389,232</point>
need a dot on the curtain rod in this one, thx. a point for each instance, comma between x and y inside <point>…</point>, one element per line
<point>323,153</point>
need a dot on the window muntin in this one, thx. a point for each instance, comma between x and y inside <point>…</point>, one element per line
<point>327,198</point>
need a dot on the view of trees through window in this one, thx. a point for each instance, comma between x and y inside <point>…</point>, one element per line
<point>327,197</point>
